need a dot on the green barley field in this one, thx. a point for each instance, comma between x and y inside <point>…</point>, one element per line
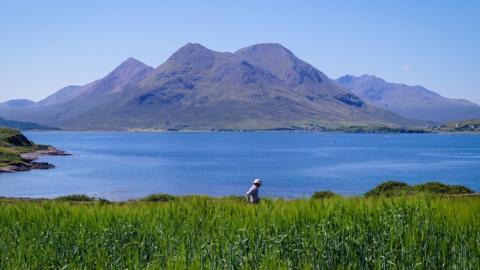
<point>414,232</point>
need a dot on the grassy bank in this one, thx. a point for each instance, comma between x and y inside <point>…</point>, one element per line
<point>12,144</point>
<point>421,231</point>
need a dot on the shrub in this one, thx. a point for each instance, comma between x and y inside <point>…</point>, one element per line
<point>75,198</point>
<point>160,197</point>
<point>395,188</point>
<point>437,187</point>
<point>325,194</point>
<point>389,188</point>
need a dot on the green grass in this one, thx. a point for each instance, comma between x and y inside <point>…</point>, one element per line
<point>414,232</point>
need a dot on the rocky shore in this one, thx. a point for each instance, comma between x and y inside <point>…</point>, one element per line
<point>29,161</point>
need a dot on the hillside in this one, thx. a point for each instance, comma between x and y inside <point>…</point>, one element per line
<point>12,144</point>
<point>17,153</point>
<point>264,86</point>
<point>22,125</point>
<point>414,102</point>
<point>461,126</point>
<point>17,103</point>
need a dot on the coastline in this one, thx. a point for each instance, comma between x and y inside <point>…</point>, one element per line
<point>29,161</point>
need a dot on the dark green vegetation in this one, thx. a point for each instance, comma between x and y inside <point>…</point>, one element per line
<point>323,194</point>
<point>396,188</point>
<point>159,198</point>
<point>75,198</point>
<point>414,232</point>
<point>461,126</point>
<point>12,144</point>
<point>22,125</point>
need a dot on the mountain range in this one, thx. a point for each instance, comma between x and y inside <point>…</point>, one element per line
<point>264,86</point>
<point>414,102</point>
<point>22,125</point>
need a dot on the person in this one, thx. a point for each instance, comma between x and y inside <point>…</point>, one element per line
<point>252,193</point>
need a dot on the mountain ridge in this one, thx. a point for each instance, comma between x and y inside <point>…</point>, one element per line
<point>201,89</point>
<point>414,102</point>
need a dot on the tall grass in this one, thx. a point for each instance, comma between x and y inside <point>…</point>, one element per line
<point>420,232</point>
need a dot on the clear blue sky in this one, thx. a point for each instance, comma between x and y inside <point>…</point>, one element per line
<point>45,45</point>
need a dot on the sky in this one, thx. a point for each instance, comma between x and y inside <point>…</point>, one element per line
<point>46,45</point>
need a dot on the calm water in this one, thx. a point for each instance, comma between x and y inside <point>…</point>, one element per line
<point>120,165</point>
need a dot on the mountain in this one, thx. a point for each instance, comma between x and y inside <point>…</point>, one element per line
<point>22,125</point>
<point>17,103</point>
<point>264,86</point>
<point>414,102</point>
<point>72,101</point>
<point>63,95</point>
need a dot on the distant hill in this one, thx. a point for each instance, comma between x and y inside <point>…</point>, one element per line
<point>461,126</point>
<point>17,103</point>
<point>22,125</point>
<point>414,102</point>
<point>264,86</point>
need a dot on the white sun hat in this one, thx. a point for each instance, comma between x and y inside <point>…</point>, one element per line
<point>257,181</point>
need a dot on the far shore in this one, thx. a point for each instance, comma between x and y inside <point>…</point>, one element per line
<point>257,131</point>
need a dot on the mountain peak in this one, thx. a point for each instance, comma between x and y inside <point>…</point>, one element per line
<point>270,46</point>
<point>131,63</point>
<point>273,49</point>
<point>348,78</point>
<point>371,77</point>
<point>194,54</point>
<point>282,63</point>
<point>18,103</point>
<point>365,78</point>
<point>190,49</point>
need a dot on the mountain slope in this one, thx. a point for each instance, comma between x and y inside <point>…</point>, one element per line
<point>413,102</point>
<point>17,103</point>
<point>263,86</point>
<point>22,125</point>
<point>72,101</point>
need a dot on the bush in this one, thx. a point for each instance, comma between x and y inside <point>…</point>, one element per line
<point>325,194</point>
<point>75,198</point>
<point>389,188</point>
<point>395,188</point>
<point>160,197</point>
<point>437,187</point>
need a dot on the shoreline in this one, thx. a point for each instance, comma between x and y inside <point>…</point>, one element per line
<point>262,131</point>
<point>29,162</point>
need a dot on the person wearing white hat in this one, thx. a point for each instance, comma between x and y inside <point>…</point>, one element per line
<point>252,193</point>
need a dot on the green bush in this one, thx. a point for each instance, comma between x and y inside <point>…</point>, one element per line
<point>396,188</point>
<point>160,197</point>
<point>75,198</point>
<point>325,194</point>
<point>437,187</point>
<point>389,188</point>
